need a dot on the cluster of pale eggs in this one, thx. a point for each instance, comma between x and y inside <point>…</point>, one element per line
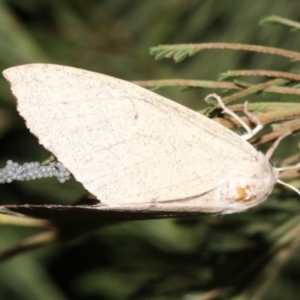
<point>30,171</point>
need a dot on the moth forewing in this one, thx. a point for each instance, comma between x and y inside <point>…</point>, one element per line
<point>134,149</point>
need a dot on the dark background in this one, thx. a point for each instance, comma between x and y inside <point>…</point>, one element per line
<point>162,259</point>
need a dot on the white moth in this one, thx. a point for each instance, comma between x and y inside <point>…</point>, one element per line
<point>136,150</point>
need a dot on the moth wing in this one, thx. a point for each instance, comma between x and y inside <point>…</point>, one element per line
<point>126,145</point>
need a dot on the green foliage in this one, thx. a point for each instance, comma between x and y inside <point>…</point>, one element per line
<point>252,255</point>
<point>177,52</point>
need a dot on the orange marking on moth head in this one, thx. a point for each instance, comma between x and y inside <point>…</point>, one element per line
<point>243,194</point>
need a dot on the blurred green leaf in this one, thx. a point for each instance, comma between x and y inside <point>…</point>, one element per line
<point>166,259</point>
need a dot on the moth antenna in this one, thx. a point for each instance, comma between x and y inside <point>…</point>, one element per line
<point>250,132</point>
<point>289,185</point>
<point>284,183</point>
<point>288,167</point>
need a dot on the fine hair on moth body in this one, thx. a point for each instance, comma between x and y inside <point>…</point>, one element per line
<point>135,150</point>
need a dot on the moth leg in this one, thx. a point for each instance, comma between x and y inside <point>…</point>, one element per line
<point>271,150</point>
<point>250,132</point>
<point>253,119</point>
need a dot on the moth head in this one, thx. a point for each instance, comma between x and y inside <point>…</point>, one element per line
<point>252,187</point>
